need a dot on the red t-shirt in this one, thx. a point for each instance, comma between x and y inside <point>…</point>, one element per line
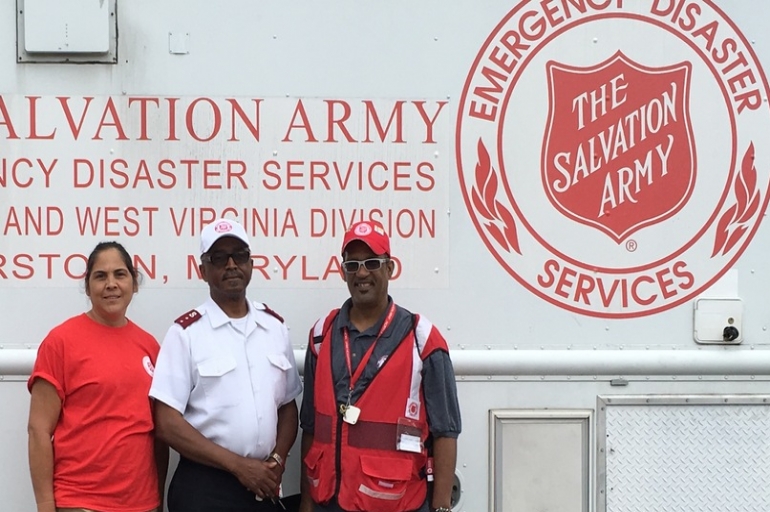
<point>103,442</point>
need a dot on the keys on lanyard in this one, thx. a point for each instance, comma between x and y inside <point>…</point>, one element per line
<point>275,500</point>
<point>350,414</point>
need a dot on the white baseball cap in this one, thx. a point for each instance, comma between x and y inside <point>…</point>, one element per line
<point>219,228</point>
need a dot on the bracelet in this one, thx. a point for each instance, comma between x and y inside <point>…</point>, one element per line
<point>442,509</point>
<point>279,460</point>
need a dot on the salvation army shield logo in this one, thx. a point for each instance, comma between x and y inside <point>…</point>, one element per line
<point>614,157</point>
<point>618,152</point>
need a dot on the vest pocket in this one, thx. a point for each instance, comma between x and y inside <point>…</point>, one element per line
<point>383,483</point>
<point>320,479</point>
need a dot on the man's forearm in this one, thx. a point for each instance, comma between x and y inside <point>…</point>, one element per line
<point>444,460</point>
<point>288,422</point>
<point>174,430</point>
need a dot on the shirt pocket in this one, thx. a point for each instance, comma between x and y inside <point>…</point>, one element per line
<point>219,380</point>
<point>279,372</point>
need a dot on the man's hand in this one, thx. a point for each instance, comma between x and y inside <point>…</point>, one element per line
<point>260,477</point>
<point>276,468</point>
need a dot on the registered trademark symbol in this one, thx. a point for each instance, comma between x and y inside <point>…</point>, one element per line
<point>631,245</point>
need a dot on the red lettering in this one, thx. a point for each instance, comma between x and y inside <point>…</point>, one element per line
<point>372,184</point>
<point>333,121</point>
<point>305,275</point>
<point>33,120</point>
<point>237,111</point>
<point>582,287</point>
<point>429,121</point>
<point>144,268</point>
<point>23,262</point>
<point>564,280</point>
<point>209,173</point>
<point>190,119</point>
<point>6,120</point>
<point>396,268</point>
<point>689,279</point>
<point>49,263</point>
<point>319,175</point>
<point>68,261</point>
<point>665,284</point>
<point>260,265</point>
<point>285,266</point>
<point>550,267</point>
<point>74,129</point>
<point>431,182</point>
<point>395,114</point>
<point>291,175</point>
<point>299,110</point>
<point>193,267</point>
<point>172,118</point>
<point>142,114</point>
<point>267,168</point>
<point>399,177</point>
<point>109,109</point>
<point>585,285</point>
<point>635,293</point>
<point>333,267</point>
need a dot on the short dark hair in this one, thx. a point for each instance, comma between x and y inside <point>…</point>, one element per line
<point>104,246</point>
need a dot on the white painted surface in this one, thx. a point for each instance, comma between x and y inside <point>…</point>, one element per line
<point>513,348</point>
<point>73,26</point>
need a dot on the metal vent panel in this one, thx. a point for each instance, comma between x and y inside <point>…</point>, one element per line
<point>705,457</point>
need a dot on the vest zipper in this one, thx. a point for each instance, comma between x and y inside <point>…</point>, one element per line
<point>338,455</point>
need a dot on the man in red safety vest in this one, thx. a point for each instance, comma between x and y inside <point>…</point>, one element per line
<point>380,416</point>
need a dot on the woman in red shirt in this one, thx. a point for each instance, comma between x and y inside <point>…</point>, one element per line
<point>91,442</point>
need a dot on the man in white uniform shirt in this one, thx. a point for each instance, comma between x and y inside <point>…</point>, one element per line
<point>225,385</point>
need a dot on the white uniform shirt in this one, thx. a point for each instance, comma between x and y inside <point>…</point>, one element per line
<point>227,383</point>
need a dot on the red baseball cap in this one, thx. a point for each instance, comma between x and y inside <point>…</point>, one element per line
<point>371,233</point>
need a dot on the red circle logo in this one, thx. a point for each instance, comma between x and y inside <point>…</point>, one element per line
<point>363,229</point>
<point>615,158</point>
<point>223,227</point>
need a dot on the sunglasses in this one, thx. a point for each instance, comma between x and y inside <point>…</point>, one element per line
<point>220,259</point>
<point>372,264</point>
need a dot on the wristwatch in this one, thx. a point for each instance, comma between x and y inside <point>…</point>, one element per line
<point>278,459</point>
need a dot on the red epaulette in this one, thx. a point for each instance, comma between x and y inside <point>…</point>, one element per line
<point>188,318</point>
<point>270,311</point>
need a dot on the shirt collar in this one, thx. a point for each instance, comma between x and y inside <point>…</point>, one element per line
<point>344,318</point>
<point>218,318</point>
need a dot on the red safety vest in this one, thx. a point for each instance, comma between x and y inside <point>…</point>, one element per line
<point>360,463</point>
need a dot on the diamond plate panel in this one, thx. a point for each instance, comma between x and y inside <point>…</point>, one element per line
<point>687,458</point>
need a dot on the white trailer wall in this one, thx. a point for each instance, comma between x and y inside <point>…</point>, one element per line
<point>522,349</point>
